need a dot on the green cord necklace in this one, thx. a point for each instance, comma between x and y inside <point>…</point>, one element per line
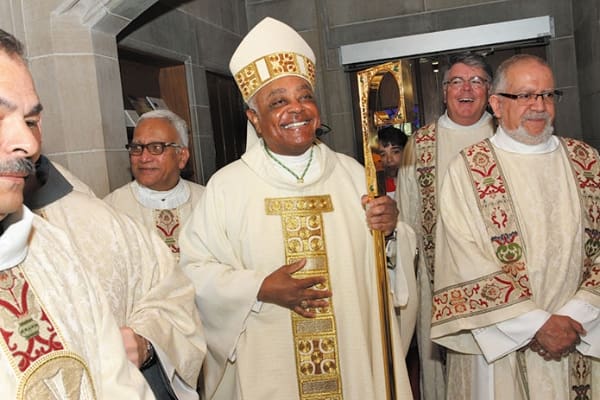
<point>299,179</point>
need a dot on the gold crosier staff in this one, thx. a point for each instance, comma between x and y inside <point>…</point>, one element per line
<point>373,165</point>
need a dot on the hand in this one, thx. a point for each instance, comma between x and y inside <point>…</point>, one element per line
<point>382,213</point>
<point>136,346</point>
<point>296,294</point>
<point>557,337</point>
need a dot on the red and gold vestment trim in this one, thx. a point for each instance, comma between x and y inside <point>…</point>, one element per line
<point>33,346</point>
<point>168,226</point>
<point>426,163</point>
<point>510,285</point>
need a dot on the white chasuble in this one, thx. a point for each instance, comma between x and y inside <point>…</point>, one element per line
<point>232,242</point>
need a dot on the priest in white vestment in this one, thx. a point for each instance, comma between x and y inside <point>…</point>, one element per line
<point>158,197</point>
<point>149,296</point>
<point>425,160</point>
<point>59,339</point>
<point>517,275</point>
<point>279,249</point>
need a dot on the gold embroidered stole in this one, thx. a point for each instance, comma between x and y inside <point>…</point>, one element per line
<point>168,225</point>
<point>34,348</point>
<point>315,339</point>
<point>426,156</point>
<point>510,285</point>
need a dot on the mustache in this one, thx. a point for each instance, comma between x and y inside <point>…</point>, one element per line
<point>536,115</point>
<point>17,166</point>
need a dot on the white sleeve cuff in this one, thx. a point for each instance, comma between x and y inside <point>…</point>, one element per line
<point>257,306</point>
<point>507,336</point>
<point>588,316</point>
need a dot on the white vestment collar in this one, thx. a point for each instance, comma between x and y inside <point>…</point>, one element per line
<point>502,140</point>
<point>446,122</point>
<point>14,241</point>
<point>298,164</point>
<point>161,199</point>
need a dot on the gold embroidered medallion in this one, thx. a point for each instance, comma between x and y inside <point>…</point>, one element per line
<point>315,339</point>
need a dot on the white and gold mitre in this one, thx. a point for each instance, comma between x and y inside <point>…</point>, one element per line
<point>269,51</point>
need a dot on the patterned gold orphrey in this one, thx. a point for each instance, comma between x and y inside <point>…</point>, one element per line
<point>315,339</point>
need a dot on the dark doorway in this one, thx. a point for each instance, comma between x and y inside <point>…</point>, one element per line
<point>228,118</point>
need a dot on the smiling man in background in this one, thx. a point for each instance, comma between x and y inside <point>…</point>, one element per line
<point>158,197</point>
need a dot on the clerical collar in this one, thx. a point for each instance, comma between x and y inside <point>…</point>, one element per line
<point>298,164</point>
<point>14,240</point>
<point>502,140</point>
<point>161,200</point>
<point>446,122</point>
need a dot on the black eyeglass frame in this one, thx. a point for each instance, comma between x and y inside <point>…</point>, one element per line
<point>551,96</point>
<point>161,145</point>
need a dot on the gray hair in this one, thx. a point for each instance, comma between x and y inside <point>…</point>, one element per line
<point>11,45</point>
<point>472,60</point>
<point>500,81</point>
<point>178,123</point>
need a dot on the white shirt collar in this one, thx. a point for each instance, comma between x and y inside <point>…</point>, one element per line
<point>298,164</point>
<point>502,140</point>
<point>14,241</point>
<point>446,122</point>
<point>162,199</point>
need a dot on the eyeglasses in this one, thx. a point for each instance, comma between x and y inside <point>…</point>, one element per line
<point>154,148</point>
<point>476,82</point>
<point>549,97</point>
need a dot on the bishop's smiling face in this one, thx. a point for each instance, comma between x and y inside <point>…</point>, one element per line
<point>286,115</point>
<point>465,103</point>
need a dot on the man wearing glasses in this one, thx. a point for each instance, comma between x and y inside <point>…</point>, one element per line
<point>425,159</point>
<point>517,279</point>
<point>158,197</point>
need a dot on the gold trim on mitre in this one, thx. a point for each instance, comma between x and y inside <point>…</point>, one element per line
<point>269,51</point>
<point>265,69</point>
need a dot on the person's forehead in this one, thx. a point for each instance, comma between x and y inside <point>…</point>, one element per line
<point>527,73</point>
<point>464,70</point>
<point>155,129</point>
<point>391,146</point>
<point>16,85</point>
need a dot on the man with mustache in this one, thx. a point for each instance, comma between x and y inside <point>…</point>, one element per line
<point>517,281</point>
<point>59,339</point>
<point>425,158</point>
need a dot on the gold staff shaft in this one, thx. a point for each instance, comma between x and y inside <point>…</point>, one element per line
<point>371,159</point>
